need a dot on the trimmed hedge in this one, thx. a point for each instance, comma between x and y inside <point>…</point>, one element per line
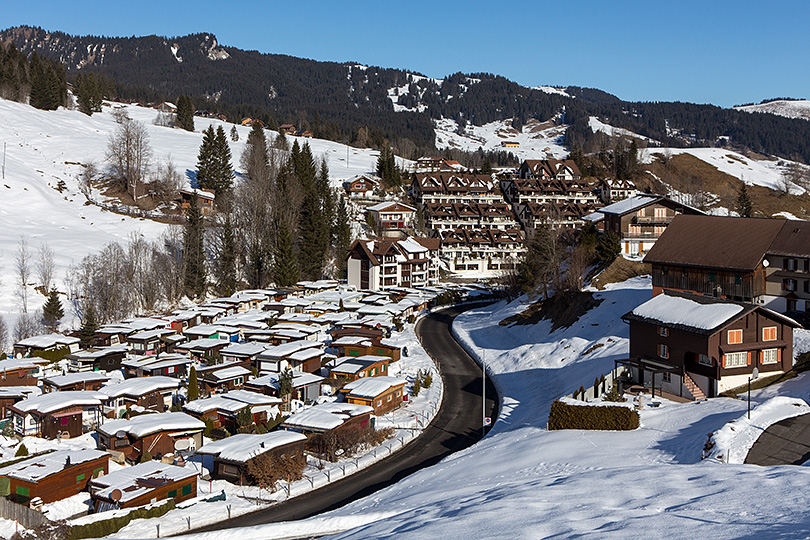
<point>607,418</point>
<point>99,529</point>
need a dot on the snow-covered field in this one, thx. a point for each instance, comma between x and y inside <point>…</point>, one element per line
<point>43,148</point>
<point>790,109</point>
<point>537,141</point>
<point>522,481</point>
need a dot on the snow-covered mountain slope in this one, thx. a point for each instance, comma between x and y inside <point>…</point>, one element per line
<point>597,125</point>
<point>536,140</point>
<point>523,481</point>
<point>766,173</point>
<point>43,148</point>
<point>788,108</point>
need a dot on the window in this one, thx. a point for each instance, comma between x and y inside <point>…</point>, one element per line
<point>788,284</point>
<point>769,333</point>
<point>80,477</point>
<point>22,491</point>
<point>381,352</point>
<point>173,494</point>
<point>389,397</point>
<point>790,264</point>
<point>663,331</point>
<point>734,336</point>
<point>770,356</point>
<point>187,489</point>
<point>120,443</point>
<point>737,359</point>
<point>379,403</point>
<point>712,276</point>
<point>705,360</point>
<point>663,351</point>
<point>354,353</point>
<point>64,420</point>
<point>666,376</point>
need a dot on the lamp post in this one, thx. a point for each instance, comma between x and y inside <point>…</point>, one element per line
<point>754,376</point>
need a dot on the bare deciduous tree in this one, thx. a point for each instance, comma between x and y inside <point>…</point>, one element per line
<point>3,335</point>
<point>45,267</point>
<point>22,264</point>
<point>128,153</point>
<point>27,326</point>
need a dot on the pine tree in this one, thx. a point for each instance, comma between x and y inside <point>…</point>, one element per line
<point>226,258</point>
<point>193,388</point>
<point>342,235</point>
<point>185,113</point>
<point>223,172</point>
<point>744,206</point>
<point>52,311</point>
<point>285,385</point>
<point>285,265</point>
<point>194,275</point>
<point>387,168</point>
<point>87,332</point>
<point>206,160</point>
<point>234,134</point>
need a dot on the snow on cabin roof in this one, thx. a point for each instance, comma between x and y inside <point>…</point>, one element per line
<point>92,354</point>
<point>167,360</point>
<point>54,401</point>
<point>380,207</point>
<point>40,467</point>
<point>371,387</point>
<point>210,329</point>
<point>685,312</point>
<point>412,246</point>
<point>243,446</point>
<point>594,216</point>
<point>351,340</point>
<point>47,340</point>
<point>251,398</point>
<point>250,348</point>
<point>230,373</point>
<point>326,416</point>
<point>630,204</point>
<point>286,349</point>
<point>129,479</point>
<point>202,343</point>
<point>299,379</point>
<point>139,386</point>
<point>217,401</point>
<point>23,392</point>
<point>147,424</point>
<point>150,334</point>
<point>73,378</point>
<point>20,363</point>
<point>306,354</point>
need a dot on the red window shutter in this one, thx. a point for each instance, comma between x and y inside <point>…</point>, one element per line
<point>748,358</point>
<point>724,360</point>
<point>779,355</point>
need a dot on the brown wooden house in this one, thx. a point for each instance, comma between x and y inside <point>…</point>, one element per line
<point>328,418</point>
<point>153,433</point>
<point>86,380</point>
<point>382,394</point>
<point>54,476</point>
<point>142,484</point>
<point>352,368</point>
<point>230,457</point>
<point>698,346</point>
<point>21,371</point>
<point>56,414</point>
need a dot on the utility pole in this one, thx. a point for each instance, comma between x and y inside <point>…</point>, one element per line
<point>483,392</point>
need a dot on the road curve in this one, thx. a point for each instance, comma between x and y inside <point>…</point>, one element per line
<point>456,426</point>
<point>786,442</point>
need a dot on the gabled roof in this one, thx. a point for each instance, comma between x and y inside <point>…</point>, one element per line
<point>715,242</point>
<point>55,401</point>
<point>139,386</point>
<point>371,387</point>
<point>244,446</point>
<point>147,424</point>
<point>40,467</point>
<point>391,206</point>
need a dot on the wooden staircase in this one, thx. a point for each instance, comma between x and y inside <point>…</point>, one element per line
<point>693,388</point>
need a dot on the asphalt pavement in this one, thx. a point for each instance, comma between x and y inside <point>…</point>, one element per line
<point>786,442</point>
<point>456,426</point>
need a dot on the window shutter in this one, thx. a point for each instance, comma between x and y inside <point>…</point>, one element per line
<point>724,360</point>
<point>748,358</point>
<point>779,355</point>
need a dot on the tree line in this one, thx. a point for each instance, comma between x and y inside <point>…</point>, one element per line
<point>40,81</point>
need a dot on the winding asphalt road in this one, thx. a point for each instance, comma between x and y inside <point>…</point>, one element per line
<point>455,427</point>
<point>786,442</point>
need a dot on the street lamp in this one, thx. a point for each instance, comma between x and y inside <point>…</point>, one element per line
<point>754,376</point>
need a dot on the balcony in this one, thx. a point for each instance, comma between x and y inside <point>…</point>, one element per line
<point>653,220</point>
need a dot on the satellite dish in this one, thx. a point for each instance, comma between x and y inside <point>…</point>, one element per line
<point>120,434</point>
<point>181,444</point>
<point>116,495</point>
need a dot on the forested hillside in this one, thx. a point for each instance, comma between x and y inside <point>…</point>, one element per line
<point>367,105</point>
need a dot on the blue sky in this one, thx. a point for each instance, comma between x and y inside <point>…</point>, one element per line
<point>709,51</point>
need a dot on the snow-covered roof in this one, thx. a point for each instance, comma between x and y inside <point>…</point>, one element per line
<point>299,379</point>
<point>230,373</point>
<point>682,311</point>
<point>139,386</point>
<point>39,467</point>
<point>250,348</point>
<point>10,364</point>
<point>412,246</point>
<point>251,398</point>
<point>371,387</point>
<point>351,340</point>
<point>99,353</point>
<point>630,204</point>
<point>383,206</point>
<point>47,340</point>
<point>326,416</point>
<point>54,401</point>
<point>243,446</point>
<point>126,480</point>
<point>146,424</point>
<point>286,349</point>
<point>203,343</point>
<point>73,378</point>
<point>150,334</point>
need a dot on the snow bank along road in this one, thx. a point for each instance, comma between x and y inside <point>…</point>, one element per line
<point>456,426</point>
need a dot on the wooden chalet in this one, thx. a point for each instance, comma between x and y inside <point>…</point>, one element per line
<point>205,200</point>
<point>383,394</point>
<point>356,367</point>
<point>202,350</point>
<point>763,261</point>
<point>230,457</point>
<point>86,380</point>
<point>222,409</point>
<point>21,371</point>
<point>9,395</point>
<point>149,341</point>
<point>699,346</point>
<point>142,393</point>
<point>306,386</point>
<point>169,365</point>
<point>328,418</point>
<point>57,415</point>
<point>48,342</point>
<point>143,484</point>
<point>361,346</point>
<point>54,476</point>
<point>105,359</point>
<point>216,381</point>
<point>362,186</point>
<point>155,433</point>
<point>288,129</point>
